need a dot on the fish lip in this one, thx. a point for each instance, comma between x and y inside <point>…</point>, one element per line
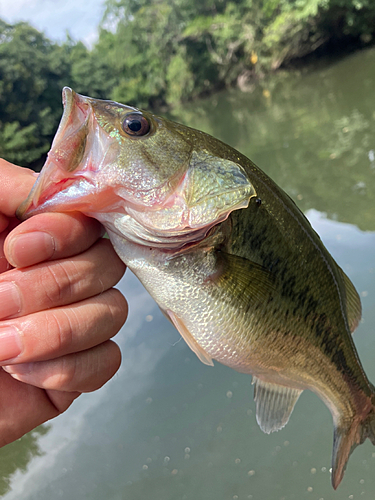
<point>21,212</point>
<point>26,210</point>
<point>67,96</point>
<point>77,112</point>
<point>70,97</point>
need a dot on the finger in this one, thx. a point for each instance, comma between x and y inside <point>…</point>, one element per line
<point>64,330</point>
<point>51,236</point>
<point>4,264</point>
<point>4,222</point>
<point>83,372</point>
<point>24,407</point>
<point>61,282</point>
<point>60,400</point>
<point>16,183</point>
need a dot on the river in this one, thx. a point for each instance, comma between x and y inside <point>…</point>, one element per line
<point>167,427</point>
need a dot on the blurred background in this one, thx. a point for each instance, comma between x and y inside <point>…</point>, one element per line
<point>155,53</point>
<point>291,85</point>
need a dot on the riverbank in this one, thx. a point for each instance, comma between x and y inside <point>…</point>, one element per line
<point>157,54</point>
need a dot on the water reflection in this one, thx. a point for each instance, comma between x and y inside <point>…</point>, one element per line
<point>168,427</point>
<point>17,456</point>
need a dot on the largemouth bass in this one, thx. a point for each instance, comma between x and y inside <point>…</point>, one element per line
<point>226,254</point>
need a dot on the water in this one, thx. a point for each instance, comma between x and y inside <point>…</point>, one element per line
<point>168,427</point>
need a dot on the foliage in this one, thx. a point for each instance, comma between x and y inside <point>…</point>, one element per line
<point>157,52</point>
<point>173,50</point>
<point>16,457</point>
<point>29,92</point>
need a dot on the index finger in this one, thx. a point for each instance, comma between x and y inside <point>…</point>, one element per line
<point>51,236</point>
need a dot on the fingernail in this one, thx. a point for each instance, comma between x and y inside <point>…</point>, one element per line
<point>10,300</point>
<point>28,249</point>
<point>10,343</point>
<point>22,369</point>
<point>14,374</point>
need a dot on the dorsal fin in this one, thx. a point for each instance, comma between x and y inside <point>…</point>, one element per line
<point>353,303</point>
<point>274,404</point>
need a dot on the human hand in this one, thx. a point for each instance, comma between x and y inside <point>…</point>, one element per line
<point>58,309</point>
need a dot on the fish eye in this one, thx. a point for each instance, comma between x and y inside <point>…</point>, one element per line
<point>136,125</point>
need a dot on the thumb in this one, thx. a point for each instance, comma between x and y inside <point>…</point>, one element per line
<point>15,185</point>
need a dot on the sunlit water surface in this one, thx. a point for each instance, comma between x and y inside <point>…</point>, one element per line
<point>168,427</point>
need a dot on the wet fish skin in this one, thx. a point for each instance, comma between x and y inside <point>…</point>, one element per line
<point>226,254</point>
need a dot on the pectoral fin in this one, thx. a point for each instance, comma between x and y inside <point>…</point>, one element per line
<point>244,281</point>
<point>274,404</point>
<point>189,339</point>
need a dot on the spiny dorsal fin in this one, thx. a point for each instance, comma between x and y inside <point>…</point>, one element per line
<point>274,404</point>
<point>353,303</point>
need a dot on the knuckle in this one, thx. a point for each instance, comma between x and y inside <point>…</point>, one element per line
<point>86,371</point>
<point>57,283</point>
<point>104,362</point>
<point>116,310</point>
<point>58,331</point>
<point>121,313</point>
<point>112,266</point>
<point>118,301</point>
<point>67,374</point>
<point>66,325</point>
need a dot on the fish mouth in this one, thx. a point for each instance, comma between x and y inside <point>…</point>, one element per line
<point>67,179</point>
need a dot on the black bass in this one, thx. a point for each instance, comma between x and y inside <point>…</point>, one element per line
<point>225,253</point>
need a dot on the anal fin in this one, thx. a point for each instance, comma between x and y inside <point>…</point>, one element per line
<point>189,339</point>
<point>274,404</point>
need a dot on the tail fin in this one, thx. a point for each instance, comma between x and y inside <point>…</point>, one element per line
<point>346,439</point>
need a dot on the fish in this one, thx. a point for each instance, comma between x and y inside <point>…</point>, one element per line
<point>227,255</point>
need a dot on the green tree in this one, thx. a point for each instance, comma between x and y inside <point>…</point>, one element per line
<point>89,71</point>
<point>30,92</point>
<point>156,52</point>
<point>141,49</point>
<point>166,51</point>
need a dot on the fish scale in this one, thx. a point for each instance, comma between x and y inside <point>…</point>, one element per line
<point>227,255</point>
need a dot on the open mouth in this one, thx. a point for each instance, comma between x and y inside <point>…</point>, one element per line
<point>68,173</point>
<point>53,190</point>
